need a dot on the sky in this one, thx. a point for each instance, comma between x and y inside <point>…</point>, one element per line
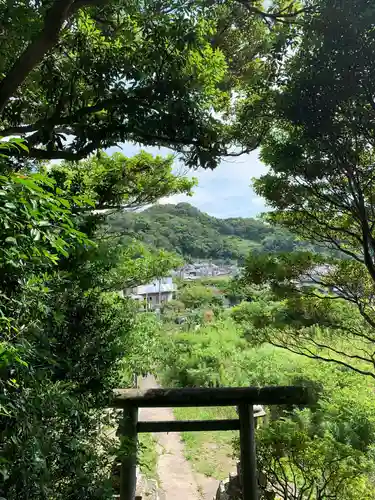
<point>223,192</point>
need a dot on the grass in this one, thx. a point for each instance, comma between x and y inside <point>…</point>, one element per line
<point>209,452</point>
<point>148,456</point>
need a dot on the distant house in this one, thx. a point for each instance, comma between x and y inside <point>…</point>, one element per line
<point>155,294</point>
<point>198,270</point>
<point>315,277</point>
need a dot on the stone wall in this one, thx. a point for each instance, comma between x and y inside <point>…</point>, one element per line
<point>231,488</point>
<point>147,489</point>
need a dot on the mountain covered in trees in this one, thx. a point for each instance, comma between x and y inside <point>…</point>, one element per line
<point>184,229</point>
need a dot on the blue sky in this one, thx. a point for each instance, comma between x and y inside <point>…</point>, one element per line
<point>224,192</point>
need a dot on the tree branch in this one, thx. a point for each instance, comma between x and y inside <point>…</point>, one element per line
<point>340,353</point>
<point>69,155</point>
<point>64,120</point>
<point>318,233</point>
<point>54,20</point>
<point>142,95</point>
<point>281,16</point>
<point>309,354</point>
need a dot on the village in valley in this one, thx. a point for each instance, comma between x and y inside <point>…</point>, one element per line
<point>153,295</point>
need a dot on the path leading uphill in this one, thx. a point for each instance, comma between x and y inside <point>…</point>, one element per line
<point>177,478</point>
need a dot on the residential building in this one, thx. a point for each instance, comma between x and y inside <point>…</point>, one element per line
<point>155,294</point>
<point>205,269</point>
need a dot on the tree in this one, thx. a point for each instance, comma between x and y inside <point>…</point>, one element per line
<point>39,230</point>
<point>65,328</point>
<point>320,185</point>
<point>145,348</point>
<point>117,183</point>
<point>196,296</point>
<point>299,466</point>
<point>324,451</point>
<point>93,74</point>
<point>83,75</point>
<point>88,74</point>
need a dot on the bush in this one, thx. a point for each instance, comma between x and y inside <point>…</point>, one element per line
<point>171,310</point>
<point>325,451</point>
<point>300,464</point>
<point>65,334</point>
<point>198,296</point>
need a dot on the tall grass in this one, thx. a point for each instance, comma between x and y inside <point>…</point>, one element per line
<point>217,354</point>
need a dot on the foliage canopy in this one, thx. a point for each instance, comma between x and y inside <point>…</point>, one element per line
<point>83,75</point>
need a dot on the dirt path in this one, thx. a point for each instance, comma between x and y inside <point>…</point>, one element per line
<point>177,478</point>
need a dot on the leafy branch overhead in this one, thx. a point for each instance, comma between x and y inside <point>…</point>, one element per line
<point>116,182</point>
<point>87,75</point>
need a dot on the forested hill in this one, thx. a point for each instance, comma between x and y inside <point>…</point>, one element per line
<point>194,234</point>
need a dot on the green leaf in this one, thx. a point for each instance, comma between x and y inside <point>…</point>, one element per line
<point>11,239</point>
<point>65,202</point>
<point>35,233</point>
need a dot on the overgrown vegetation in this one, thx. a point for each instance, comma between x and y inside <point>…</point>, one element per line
<point>324,450</point>
<point>148,455</point>
<point>65,330</point>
